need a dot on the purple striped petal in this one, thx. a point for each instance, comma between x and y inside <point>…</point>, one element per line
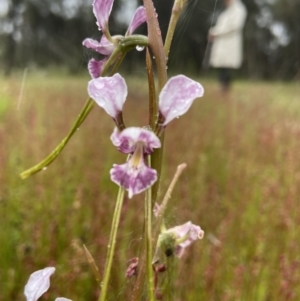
<point>109,93</point>
<point>102,10</point>
<point>133,178</point>
<point>126,140</point>
<point>104,47</point>
<point>177,96</point>
<point>38,283</point>
<point>138,18</point>
<point>95,67</point>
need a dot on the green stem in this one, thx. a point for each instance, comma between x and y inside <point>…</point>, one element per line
<point>153,110</point>
<point>53,155</point>
<point>164,203</point>
<point>148,241</point>
<point>176,12</point>
<point>111,244</point>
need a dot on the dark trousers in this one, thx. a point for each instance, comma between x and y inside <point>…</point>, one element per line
<point>225,78</point>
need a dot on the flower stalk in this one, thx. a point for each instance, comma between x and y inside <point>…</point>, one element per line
<point>111,244</point>
<point>148,241</point>
<point>176,12</point>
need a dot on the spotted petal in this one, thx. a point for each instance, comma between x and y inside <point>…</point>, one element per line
<point>138,18</point>
<point>177,96</point>
<point>134,179</point>
<point>104,47</point>
<point>109,93</point>
<point>38,284</point>
<point>126,140</point>
<point>102,10</point>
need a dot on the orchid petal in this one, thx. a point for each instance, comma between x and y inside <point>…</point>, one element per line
<point>138,18</point>
<point>186,234</point>
<point>133,179</point>
<point>177,96</point>
<point>38,283</point>
<point>102,10</point>
<point>95,67</point>
<point>104,47</point>
<point>126,140</point>
<point>109,93</point>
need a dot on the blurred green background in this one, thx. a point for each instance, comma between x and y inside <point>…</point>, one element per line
<point>242,185</point>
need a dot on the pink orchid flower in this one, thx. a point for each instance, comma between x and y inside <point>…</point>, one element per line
<point>134,175</point>
<point>174,100</point>
<point>107,44</point>
<point>185,235</point>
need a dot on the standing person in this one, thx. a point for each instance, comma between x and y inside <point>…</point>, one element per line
<point>227,41</point>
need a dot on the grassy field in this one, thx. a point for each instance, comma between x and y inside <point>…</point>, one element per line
<point>242,185</point>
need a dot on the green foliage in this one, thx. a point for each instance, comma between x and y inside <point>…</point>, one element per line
<point>241,185</point>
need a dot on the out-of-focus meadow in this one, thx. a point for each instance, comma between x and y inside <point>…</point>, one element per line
<point>242,185</point>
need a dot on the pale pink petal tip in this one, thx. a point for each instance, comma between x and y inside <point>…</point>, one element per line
<point>38,283</point>
<point>102,10</point>
<point>133,179</point>
<point>177,97</point>
<point>109,93</point>
<point>138,19</point>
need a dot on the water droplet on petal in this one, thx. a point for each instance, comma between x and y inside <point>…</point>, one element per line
<point>140,48</point>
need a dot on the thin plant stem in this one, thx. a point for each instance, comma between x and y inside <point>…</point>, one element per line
<point>157,48</point>
<point>148,241</point>
<point>111,244</point>
<point>176,12</point>
<point>54,154</point>
<point>152,95</point>
<point>166,199</point>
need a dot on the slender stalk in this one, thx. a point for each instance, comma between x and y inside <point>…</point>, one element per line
<point>157,48</point>
<point>166,199</point>
<point>111,244</point>
<point>176,12</point>
<point>151,86</point>
<point>54,154</point>
<point>148,241</point>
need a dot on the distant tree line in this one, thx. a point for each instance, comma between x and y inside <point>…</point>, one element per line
<point>49,32</point>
